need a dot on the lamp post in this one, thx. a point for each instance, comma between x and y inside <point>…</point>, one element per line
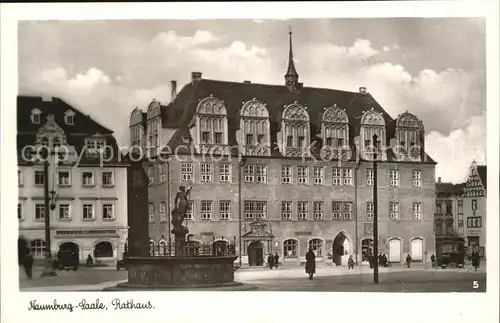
<point>48,269</point>
<point>375,211</point>
<point>241,163</point>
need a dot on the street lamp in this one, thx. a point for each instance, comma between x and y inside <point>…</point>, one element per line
<point>48,269</point>
<point>375,211</point>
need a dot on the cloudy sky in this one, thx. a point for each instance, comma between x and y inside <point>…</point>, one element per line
<point>434,68</point>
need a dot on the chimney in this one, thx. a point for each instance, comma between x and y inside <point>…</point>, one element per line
<point>362,90</point>
<point>247,82</point>
<point>195,76</point>
<point>46,98</point>
<point>173,88</point>
<point>439,180</point>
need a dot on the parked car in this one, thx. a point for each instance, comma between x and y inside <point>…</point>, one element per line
<point>67,259</point>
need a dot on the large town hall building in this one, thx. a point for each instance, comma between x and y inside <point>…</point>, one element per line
<point>281,168</point>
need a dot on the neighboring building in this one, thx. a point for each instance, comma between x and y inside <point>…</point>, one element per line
<point>449,218</point>
<point>90,206</point>
<point>284,179</point>
<point>475,208</point>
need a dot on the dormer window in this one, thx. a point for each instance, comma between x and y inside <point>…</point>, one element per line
<point>249,139</point>
<point>94,144</point>
<point>289,141</point>
<point>218,137</point>
<point>255,129</point>
<point>409,131</point>
<point>69,117</point>
<point>373,123</point>
<point>335,127</point>
<point>329,141</point>
<point>301,141</point>
<point>205,137</point>
<point>36,116</point>
<point>211,124</point>
<point>340,142</point>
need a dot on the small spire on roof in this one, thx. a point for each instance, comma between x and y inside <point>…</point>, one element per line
<point>294,101</point>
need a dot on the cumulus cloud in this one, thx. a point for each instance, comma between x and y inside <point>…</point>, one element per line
<point>450,102</point>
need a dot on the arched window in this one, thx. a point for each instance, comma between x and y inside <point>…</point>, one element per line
<point>163,248</point>
<point>255,129</point>
<point>290,248</point>
<point>335,128</point>
<point>409,131</point>
<point>417,249</point>
<point>317,246</point>
<point>151,248</point>
<point>295,131</point>
<point>103,249</point>
<point>211,122</point>
<point>373,123</point>
<point>38,248</point>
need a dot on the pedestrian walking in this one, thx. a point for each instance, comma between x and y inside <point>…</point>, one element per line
<point>270,261</point>
<point>350,263</point>
<point>408,260</point>
<point>475,260</point>
<point>380,260</point>
<point>310,263</point>
<point>386,263</point>
<point>28,264</point>
<point>276,260</point>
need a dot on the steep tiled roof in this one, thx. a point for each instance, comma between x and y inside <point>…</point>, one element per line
<point>481,170</point>
<point>449,188</point>
<point>84,126</point>
<point>180,112</point>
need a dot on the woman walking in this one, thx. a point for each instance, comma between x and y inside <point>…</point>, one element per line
<point>310,263</point>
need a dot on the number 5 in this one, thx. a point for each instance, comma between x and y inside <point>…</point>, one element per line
<point>475,284</point>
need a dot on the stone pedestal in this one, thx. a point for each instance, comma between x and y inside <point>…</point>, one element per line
<point>180,240</point>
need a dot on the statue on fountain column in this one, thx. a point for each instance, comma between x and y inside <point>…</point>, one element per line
<point>180,207</point>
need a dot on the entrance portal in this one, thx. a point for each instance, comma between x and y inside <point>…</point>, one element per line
<point>103,250</point>
<point>366,249</point>
<point>255,254</point>
<point>70,247</point>
<point>340,250</point>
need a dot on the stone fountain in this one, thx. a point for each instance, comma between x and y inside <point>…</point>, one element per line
<point>182,270</point>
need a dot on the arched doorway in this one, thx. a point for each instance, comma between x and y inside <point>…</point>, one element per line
<point>219,248</point>
<point>255,254</point>
<point>366,249</point>
<point>70,247</point>
<point>417,249</point>
<point>394,250</point>
<point>340,249</point>
<point>103,249</point>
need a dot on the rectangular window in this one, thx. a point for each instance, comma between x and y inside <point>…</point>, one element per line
<point>108,212</point>
<point>189,211</point>
<point>394,177</point>
<point>218,138</point>
<point>449,227</point>
<point>416,211</point>
<point>337,210</point>
<point>260,173</point>
<point>329,141</point>
<point>439,207</point>
<point>260,139</point>
<point>394,210</point>
<point>249,210</point>
<point>318,210</point>
<point>318,175</point>
<point>439,228</point>
<point>449,207</point>
<point>186,172</point>
<point>249,173</point>
<point>347,176</point>
<point>225,173</point>
<point>64,212</point>
<point>460,223</point>
<point>88,178</point>
<point>206,210</point>
<point>347,214</point>
<point>289,141</point>
<point>474,205</point>
<point>19,178</point>
<point>88,212</point>
<point>260,210</point>
<point>302,174</point>
<point>249,139</point>
<point>151,174</point>
<point>63,178</point>
<point>474,222</point>
<point>302,210</point>
<point>39,212</point>
<point>225,210</point>
<point>107,179</point>
<point>340,142</point>
<point>163,211</point>
<point>286,211</point>
<point>460,207</point>
<point>369,177</point>
<point>151,212</point>
<point>369,210</point>
<point>301,141</point>
<point>286,174</point>
<point>337,176</point>
<point>255,210</point>
<point>163,172</point>
<point>417,181</point>
<point>205,137</point>
<point>19,211</point>
<point>206,172</point>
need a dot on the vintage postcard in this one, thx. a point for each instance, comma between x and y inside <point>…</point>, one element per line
<point>251,151</point>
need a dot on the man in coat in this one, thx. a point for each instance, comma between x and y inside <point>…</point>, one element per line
<point>408,260</point>
<point>475,260</point>
<point>310,263</point>
<point>270,261</point>
<point>276,260</point>
<point>28,264</point>
<point>350,263</point>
